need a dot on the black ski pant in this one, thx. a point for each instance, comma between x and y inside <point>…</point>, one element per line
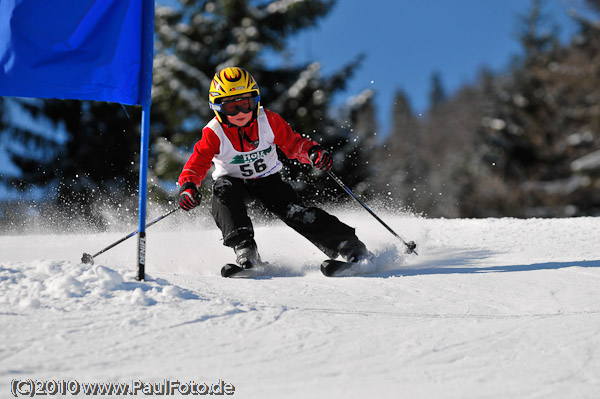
<point>231,195</point>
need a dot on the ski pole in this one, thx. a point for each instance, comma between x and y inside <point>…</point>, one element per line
<point>87,258</point>
<point>410,246</point>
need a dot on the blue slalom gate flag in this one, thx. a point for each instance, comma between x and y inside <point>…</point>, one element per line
<point>98,50</point>
<point>73,49</point>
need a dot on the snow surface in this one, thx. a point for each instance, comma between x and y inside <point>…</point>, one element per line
<point>491,308</point>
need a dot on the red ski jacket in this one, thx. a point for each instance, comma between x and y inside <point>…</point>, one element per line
<point>293,145</point>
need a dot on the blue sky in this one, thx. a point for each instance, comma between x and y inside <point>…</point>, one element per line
<point>406,41</point>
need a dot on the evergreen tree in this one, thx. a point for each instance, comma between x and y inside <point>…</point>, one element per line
<point>397,167</point>
<point>528,130</point>
<point>82,154</point>
<point>520,143</point>
<point>200,37</point>
<point>355,143</point>
<point>437,94</point>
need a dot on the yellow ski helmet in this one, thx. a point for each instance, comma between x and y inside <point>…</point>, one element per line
<point>231,81</point>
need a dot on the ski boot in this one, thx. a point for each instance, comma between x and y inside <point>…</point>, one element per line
<point>247,254</point>
<point>354,251</point>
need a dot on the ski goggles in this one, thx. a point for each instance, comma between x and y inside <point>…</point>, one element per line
<point>234,107</point>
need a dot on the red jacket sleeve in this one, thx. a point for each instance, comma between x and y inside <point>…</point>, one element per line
<point>293,145</point>
<point>197,166</point>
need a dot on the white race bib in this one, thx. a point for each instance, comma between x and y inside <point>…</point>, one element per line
<point>260,162</point>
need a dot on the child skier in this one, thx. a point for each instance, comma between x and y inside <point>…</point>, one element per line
<point>241,141</point>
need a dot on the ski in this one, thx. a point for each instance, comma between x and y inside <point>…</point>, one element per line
<point>329,267</point>
<point>334,268</point>
<point>233,270</point>
<point>236,271</point>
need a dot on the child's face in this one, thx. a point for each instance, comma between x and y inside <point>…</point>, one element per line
<point>242,118</point>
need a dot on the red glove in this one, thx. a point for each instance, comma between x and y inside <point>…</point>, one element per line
<point>189,196</point>
<point>320,158</point>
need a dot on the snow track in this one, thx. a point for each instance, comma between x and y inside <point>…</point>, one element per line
<point>491,308</point>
